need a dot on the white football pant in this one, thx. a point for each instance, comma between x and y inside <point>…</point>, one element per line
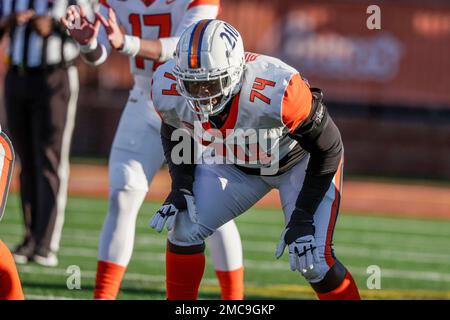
<point>223,192</point>
<point>136,155</point>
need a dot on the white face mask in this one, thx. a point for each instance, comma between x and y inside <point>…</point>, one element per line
<point>204,96</point>
<point>208,95</point>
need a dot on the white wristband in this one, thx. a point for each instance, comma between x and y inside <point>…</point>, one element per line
<point>131,45</point>
<point>89,47</point>
<point>168,46</point>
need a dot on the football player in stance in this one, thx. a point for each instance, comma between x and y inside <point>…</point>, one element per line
<point>10,287</point>
<point>152,32</point>
<point>274,131</point>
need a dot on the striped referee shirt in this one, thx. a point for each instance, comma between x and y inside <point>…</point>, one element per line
<point>27,48</point>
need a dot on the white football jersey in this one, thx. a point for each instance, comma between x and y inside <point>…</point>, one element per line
<point>273,101</point>
<point>155,19</point>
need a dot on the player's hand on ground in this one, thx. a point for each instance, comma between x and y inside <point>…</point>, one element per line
<point>79,27</point>
<point>178,200</point>
<point>115,36</point>
<point>303,253</point>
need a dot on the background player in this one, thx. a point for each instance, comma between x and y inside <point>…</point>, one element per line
<point>226,92</point>
<point>10,287</point>
<point>152,31</point>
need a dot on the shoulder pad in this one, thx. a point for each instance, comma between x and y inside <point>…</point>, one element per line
<point>164,93</point>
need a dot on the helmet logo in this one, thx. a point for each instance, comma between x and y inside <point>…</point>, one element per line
<point>230,35</point>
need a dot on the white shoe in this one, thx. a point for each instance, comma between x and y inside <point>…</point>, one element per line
<point>22,253</point>
<point>20,258</point>
<point>51,260</point>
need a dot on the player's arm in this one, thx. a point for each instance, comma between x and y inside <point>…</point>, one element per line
<point>310,125</point>
<point>128,44</point>
<point>161,49</point>
<point>315,131</point>
<point>181,196</point>
<point>182,174</point>
<point>98,49</point>
<point>179,150</point>
<point>322,139</point>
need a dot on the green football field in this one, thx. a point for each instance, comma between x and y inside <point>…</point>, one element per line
<point>412,254</point>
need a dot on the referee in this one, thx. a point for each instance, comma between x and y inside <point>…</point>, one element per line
<point>41,92</point>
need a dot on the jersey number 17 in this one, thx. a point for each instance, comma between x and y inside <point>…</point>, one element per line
<point>163,21</point>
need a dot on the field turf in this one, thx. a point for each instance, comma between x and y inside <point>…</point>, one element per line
<point>413,254</point>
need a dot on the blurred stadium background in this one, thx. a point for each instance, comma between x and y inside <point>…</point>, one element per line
<point>389,92</point>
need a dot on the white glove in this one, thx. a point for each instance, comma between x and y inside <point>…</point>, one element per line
<point>178,200</point>
<point>303,255</point>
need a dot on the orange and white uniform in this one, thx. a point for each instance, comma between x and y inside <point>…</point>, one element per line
<point>136,153</point>
<point>269,100</point>
<point>10,287</point>
<point>275,99</point>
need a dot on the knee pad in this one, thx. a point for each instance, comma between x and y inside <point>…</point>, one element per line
<point>127,176</point>
<point>331,280</point>
<point>186,233</point>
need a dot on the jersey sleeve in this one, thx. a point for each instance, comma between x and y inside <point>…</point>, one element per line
<point>196,10</point>
<point>164,95</point>
<point>296,103</point>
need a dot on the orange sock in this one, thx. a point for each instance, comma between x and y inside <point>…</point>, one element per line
<point>108,279</point>
<point>231,284</point>
<point>10,287</point>
<point>184,273</point>
<point>347,290</point>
